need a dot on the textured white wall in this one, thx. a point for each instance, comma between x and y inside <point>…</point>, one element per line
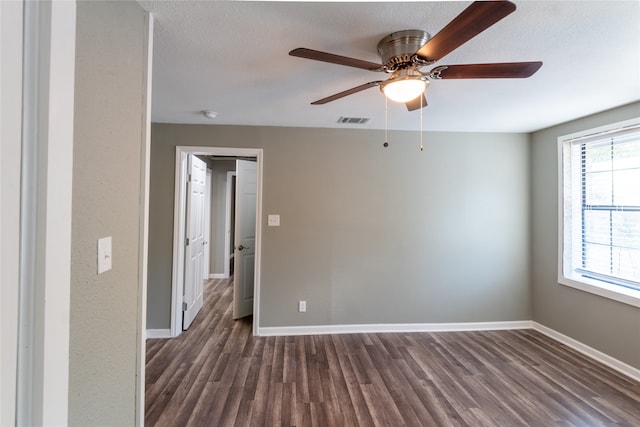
<point>109,112</point>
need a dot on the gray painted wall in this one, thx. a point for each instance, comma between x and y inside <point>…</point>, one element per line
<point>604,324</point>
<point>368,234</point>
<point>106,202</point>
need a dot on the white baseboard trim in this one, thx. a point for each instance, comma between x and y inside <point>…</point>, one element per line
<point>218,276</point>
<point>591,352</point>
<point>391,327</point>
<point>158,333</point>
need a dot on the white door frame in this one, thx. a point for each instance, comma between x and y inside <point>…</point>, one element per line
<point>177,282</point>
<point>11,78</point>
<point>37,84</point>
<point>207,226</point>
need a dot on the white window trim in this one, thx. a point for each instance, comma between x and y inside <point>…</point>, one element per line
<point>603,289</point>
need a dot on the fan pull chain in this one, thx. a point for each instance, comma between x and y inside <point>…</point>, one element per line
<point>421,146</point>
<point>386,140</point>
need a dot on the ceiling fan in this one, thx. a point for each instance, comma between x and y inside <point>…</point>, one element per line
<point>403,53</point>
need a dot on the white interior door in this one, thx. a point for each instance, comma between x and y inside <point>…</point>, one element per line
<point>194,259</point>
<point>245,238</point>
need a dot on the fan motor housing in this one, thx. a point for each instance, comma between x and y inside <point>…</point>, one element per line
<point>398,49</point>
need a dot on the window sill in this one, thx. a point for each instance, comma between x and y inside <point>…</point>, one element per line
<point>603,289</point>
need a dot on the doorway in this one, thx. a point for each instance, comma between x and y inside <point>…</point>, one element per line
<point>180,215</point>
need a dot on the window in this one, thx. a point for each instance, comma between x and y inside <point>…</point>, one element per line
<point>600,211</point>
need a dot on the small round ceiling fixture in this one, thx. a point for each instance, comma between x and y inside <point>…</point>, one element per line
<point>209,114</point>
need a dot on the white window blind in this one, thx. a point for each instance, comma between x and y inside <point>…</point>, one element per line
<point>601,195</point>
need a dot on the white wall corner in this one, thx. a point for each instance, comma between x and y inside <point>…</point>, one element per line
<point>59,209</point>
<point>145,158</point>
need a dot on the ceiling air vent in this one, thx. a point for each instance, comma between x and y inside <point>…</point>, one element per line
<point>354,120</point>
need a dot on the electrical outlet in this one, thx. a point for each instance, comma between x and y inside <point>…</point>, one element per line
<point>302,306</point>
<point>273,221</point>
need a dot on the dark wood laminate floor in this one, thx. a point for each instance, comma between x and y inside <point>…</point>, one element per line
<point>218,374</point>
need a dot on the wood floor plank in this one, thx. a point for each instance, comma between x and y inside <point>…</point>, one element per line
<point>350,397</point>
<point>200,411</point>
<point>262,390</point>
<point>218,374</point>
<point>340,402</point>
<point>245,411</point>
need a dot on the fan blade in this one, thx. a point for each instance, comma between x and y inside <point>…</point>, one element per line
<point>316,55</point>
<point>346,92</point>
<point>416,104</point>
<point>507,70</point>
<point>476,18</point>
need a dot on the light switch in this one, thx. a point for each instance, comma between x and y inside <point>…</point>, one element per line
<point>104,254</point>
<point>274,221</point>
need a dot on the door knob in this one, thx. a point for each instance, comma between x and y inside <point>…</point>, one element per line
<point>242,247</point>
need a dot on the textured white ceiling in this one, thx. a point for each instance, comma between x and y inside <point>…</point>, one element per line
<point>232,57</point>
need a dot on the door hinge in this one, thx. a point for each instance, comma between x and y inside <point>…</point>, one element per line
<point>184,306</point>
<point>187,241</point>
<point>189,177</point>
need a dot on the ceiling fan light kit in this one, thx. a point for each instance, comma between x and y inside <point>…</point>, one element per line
<point>404,85</point>
<point>403,53</point>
